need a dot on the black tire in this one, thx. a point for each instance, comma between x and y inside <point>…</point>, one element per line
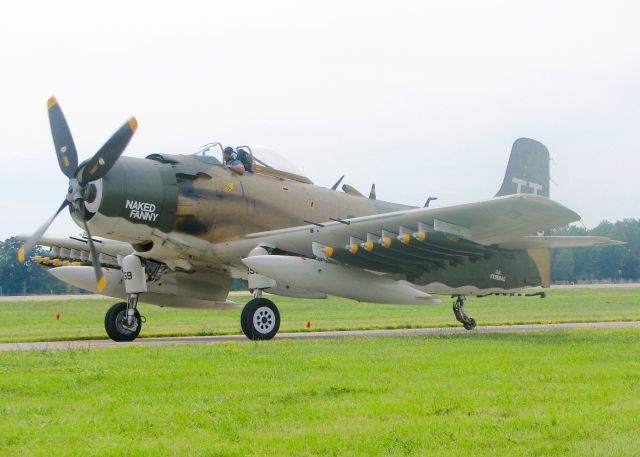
<point>470,325</point>
<point>113,323</point>
<point>260,319</point>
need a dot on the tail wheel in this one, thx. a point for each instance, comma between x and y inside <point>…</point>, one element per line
<point>115,323</point>
<point>260,319</point>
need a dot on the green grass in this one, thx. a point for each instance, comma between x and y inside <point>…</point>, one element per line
<point>564,393</point>
<point>36,321</point>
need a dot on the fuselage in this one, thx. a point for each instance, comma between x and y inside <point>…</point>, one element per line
<point>149,202</point>
<point>186,195</point>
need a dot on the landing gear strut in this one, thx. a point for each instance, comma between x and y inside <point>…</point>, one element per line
<point>468,323</point>
<point>123,321</point>
<point>260,319</point>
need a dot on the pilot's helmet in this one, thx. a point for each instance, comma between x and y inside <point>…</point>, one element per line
<point>233,155</point>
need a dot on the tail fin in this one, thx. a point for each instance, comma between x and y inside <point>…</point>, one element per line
<point>528,169</point>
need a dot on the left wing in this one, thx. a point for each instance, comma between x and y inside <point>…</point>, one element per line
<point>469,229</point>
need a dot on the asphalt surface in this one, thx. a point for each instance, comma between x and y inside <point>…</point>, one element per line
<point>172,341</point>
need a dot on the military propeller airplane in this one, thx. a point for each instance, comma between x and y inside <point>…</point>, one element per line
<point>179,228</point>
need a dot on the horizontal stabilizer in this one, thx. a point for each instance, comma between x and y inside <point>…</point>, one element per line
<point>550,242</point>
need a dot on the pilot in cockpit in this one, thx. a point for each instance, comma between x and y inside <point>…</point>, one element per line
<point>231,160</point>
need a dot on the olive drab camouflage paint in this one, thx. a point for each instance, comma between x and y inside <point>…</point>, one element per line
<point>178,228</point>
<point>199,197</point>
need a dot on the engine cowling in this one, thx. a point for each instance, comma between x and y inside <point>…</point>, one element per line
<point>136,197</point>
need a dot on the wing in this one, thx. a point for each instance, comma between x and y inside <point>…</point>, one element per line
<point>69,257</point>
<point>65,250</point>
<point>405,240</point>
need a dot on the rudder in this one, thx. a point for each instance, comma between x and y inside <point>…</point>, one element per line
<point>527,170</point>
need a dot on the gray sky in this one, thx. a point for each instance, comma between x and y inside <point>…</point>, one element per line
<point>422,98</point>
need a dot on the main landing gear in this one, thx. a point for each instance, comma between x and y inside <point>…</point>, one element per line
<point>118,326</point>
<point>468,323</point>
<point>123,321</point>
<point>260,318</point>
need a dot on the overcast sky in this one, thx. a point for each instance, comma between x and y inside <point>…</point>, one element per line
<point>422,98</point>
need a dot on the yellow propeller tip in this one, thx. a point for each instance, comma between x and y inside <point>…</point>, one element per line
<point>51,102</point>
<point>102,284</point>
<point>133,124</point>
<point>21,255</point>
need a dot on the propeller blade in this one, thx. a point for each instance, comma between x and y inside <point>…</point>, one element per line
<point>62,140</point>
<point>101,281</point>
<point>31,242</point>
<point>100,164</point>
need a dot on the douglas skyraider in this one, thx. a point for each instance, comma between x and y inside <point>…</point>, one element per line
<point>179,228</point>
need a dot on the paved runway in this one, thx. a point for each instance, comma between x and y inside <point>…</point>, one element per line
<point>170,341</point>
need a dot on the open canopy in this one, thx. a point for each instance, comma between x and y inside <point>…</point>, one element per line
<point>263,160</point>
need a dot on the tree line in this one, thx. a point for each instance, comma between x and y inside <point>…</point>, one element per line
<point>605,263</point>
<point>612,263</point>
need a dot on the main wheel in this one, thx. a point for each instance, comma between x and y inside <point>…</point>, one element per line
<point>115,323</point>
<point>260,319</point>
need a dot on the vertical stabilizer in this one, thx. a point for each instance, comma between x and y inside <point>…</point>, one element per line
<point>528,169</point>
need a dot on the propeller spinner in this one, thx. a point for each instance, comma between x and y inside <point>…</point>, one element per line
<point>80,176</point>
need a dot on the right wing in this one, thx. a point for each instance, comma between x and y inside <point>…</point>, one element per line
<point>76,249</point>
<point>198,289</point>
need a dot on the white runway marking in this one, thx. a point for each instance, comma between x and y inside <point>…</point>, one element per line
<point>170,341</point>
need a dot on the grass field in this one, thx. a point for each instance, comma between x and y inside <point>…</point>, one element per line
<point>545,393</point>
<point>36,321</point>
<point>563,393</point>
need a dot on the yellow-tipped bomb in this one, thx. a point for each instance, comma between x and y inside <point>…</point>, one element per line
<point>76,264</point>
<point>37,259</point>
<point>56,262</point>
<point>65,263</point>
<point>352,248</point>
<point>46,260</point>
<point>405,238</point>
<point>21,256</point>
<point>421,236</point>
<point>368,246</point>
<point>102,284</point>
<point>328,251</point>
<point>385,242</point>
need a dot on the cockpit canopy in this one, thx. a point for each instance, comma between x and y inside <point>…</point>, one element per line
<point>256,158</point>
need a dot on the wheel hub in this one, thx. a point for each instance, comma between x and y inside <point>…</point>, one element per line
<point>264,320</point>
<point>121,324</point>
